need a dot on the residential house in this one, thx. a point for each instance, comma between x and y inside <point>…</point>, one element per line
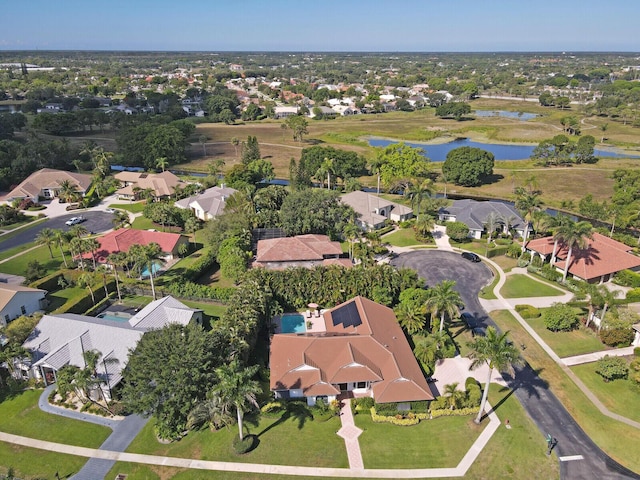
<point>362,352</point>
<point>602,257</point>
<point>162,185</point>
<point>16,300</point>
<point>474,215</point>
<point>60,340</point>
<point>300,251</point>
<point>285,111</point>
<point>325,112</point>
<point>45,184</point>
<point>208,204</point>
<point>373,211</point>
<point>345,110</point>
<point>121,241</point>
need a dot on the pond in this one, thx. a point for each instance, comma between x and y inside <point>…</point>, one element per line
<point>506,114</point>
<point>438,153</point>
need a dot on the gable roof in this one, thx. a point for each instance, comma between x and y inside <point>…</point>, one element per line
<point>121,241</point>
<point>365,204</point>
<point>602,256</point>
<point>474,213</point>
<point>10,290</point>
<point>211,201</point>
<point>48,178</point>
<point>161,312</point>
<point>163,184</point>
<point>296,249</point>
<point>363,342</point>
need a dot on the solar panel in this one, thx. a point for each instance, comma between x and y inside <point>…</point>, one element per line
<point>346,315</point>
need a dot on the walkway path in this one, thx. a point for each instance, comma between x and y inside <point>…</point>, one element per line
<point>441,238</point>
<point>595,356</point>
<point>350,433</point>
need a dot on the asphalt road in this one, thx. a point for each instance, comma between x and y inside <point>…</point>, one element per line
<point>540,403</point>
<point>96,222</point>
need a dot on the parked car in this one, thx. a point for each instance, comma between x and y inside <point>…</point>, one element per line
<point>75,220</point>
<point>110,210</point>
<point>472,257</point>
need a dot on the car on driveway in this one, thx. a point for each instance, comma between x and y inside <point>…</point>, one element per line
<point>74,220</point>
<point>472,257</point>
<point>110,210</point>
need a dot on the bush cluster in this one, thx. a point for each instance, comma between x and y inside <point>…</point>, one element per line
<point>633,295</point>
<point>528,311</point>
<point>612,368</point>
<point>627,278</point>
<point>560,318</point>
<point>616,337</point>
<point>189,289</point>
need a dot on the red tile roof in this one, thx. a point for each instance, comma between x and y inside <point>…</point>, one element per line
<point>122,240</point>
<point>602,256</point>
<point>296,249</point>
<point>374,351</point>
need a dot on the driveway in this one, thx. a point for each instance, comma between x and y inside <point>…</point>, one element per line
<point>97,222</point>
<point>435,266</point>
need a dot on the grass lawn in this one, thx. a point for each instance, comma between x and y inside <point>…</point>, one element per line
<point>518,286</point>
<point>505,263</point>
<point>136,207</point>
<point>430,444</point>
<point>30,463</point>
<point>210,309</point>
<point>143,223</point>
<point>313,444</point>
<point>404,237</point>
<point>18,227</point>
<point>567,344</point>
<point>60,297</point>
<point>20,415</point>
<point>18,265</point>
<point>619,396</point>
<point>604,431</point>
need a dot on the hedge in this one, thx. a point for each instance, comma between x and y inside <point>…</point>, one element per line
<point>627,278</point>
<point>49,283</point>
<point>633,295</point>
<point>197,268</point>
<point>82,304</point>
<point>458,412</point>
<point>495,252</point>
<point>528,311</point>
<point>189,289</point>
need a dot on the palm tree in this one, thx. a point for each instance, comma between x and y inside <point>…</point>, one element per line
<point>162,163</point>
<point>236,389</point>
<point>77,247</point>
<point>86,281</point>
<point>147,256</point>
<point>557,228</point>
<point>417,193</point>
<point>453,394</point>
<point>507,222</point>
<point>527,201</point>
<point>203,141</point>
<point>411,317</point>
<point>11,352</point>
<point>496,351</point>
<point>608,297</point>
<point>575,234</point>
<point>67,191</point>
<point>351,232</point>
<point>103,270</point>
<point>46,236</point>
<point>61,237</point>
<point>213,411</point>
<point>121,219</point>
<point>78,231</point>
<point>424,225</point>
<point>91,245</point>
<point>235,141</point>
<point>444,300</point>
<point>116,259</point>
<point>491,223</point>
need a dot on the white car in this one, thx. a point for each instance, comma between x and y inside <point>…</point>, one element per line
<point>74,220</point>
<point>110,210</point>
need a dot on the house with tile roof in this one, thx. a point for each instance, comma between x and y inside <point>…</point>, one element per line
<point>122,239</point>
<point>373,211</point>
<point>60,340</point>
<point>163,185</point>
<point>602,257</point>
<point>208,204</point>
<point>300,251</point>
<point>45,184</point>
<point>474,213</point>
<point>362,352</point>
<point>17,300</point>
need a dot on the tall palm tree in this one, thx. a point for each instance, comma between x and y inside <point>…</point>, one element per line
<point>608,297</point>
<point>91,245</point>
<point>444,300</point>
<point>557,228</point>
<point>103,270</point>
<point>497,352</point>
<point>78,231</point>
<point>424,225</point>
<point>236,389</point>
<point>117,259</point>
<point>67,191</point>
<point>575,234</point>
<point>162,163</point>
<point>351,232</point>
<point>527,201</point>
<point>61,237</point>
<point>86,281</point>
<point>417,193</point>
<point>77,247</point>
<point>491,223</point>
<point>148,256</point>
<point>47,237</point>
<point>411,317</point>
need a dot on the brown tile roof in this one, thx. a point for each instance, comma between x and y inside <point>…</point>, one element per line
<point>374,350</point>
<point>163,184</point>
<point>602,256</point>
<point>299,248</point>
<point>49,178</point>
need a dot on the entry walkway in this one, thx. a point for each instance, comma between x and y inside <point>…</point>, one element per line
<point>350,433</point>
<point>595,356</point>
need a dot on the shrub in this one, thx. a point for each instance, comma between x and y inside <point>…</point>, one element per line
<point>560,318</point>
<point>612,368</point>
<point>634,371</point>
<point>457,231</point>
<point>364,403</point>
<point>514,250</point>
<point>550,273</point>
<point>496,252</point>
<point>633,295</point>
<point>470,382</point>
<point>503,241</point>
<point>536,261</point>
<point>636,351</point>
<point>617,337</point>
<point>447,412</point>
<point>528,311</point>
<point>49,283</point>
<point>420,407</point>
<point>474,396</point>
<point>245,445</point>
<point>627,278</point>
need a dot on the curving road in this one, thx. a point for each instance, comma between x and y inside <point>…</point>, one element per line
<point>580,457</point>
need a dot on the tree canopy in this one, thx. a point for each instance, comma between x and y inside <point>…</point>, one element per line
<point>401,165</point>
<point>468,166</point>
<point>314,211</point>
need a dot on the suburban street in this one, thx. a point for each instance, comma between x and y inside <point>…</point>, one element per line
<point>583,458</point>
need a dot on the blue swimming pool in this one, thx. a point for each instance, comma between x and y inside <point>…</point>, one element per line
<point>292,323</point>
<point>115,316</point>
<point>155,268</point>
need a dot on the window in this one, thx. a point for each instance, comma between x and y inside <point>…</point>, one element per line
<point>6,318</point>
<point>23,310</point>
<point>361,385</point>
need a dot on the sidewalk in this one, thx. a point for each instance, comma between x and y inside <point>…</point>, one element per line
<point>595,356</point>
<point>350,433</point>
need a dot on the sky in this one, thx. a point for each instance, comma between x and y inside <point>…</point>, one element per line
<point>321,25</point>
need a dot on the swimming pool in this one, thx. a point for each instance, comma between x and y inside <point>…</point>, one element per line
<point>145,271</point>
<point>292,323</point>
<point>115,316</point>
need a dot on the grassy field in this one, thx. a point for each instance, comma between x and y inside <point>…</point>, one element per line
<point>506,263</point>
<point>18,265</point>
<point>517,286</point>
<point>405,237</point>
<point>619,396</point>
<point>566,344</point>
<point>604,431</point>
<point>29,463</point>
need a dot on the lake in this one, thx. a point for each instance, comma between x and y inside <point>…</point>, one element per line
<point>506,114</point>
<point>438,153</point>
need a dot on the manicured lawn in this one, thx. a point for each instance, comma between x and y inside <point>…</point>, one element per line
<point>20,415</point>
<point>518,286</point>
<point>210,309</point>
<point>567,344</point>
<point>430,444</point>
<point>30,463</point>
<point>506,263</point>
<point>605,432</point>
<point>619,396</point>
<point>404,237</point>
<point>143,223</point>
<point>60,297</point>
<point>135,207</point>
<point>18,265</point>
<point>288,442</point>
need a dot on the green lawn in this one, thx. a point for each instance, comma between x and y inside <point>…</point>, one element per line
<point>619,396</point>
<point>506,263</point>
<point>210,309</point>
<point>143,223</point>
<point>16,250</point>
<point>135,207</point>
<point>567,344</point>
<point>18,265</point>
<point>60,297</point>
<point>430,444</point>
<point>29,463</point>
<point>404,237</point>
<point>519,286</point>
<point>605,432</point>
<point>20,415</point>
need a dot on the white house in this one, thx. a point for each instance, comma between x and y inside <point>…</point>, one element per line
<point>285,111</point>
<point>474,215</point>
<point>208,204</point>
<point>373,211</point>
<point>16,300</point>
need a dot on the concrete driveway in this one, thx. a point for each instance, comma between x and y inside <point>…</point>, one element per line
<point>436,265</point>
